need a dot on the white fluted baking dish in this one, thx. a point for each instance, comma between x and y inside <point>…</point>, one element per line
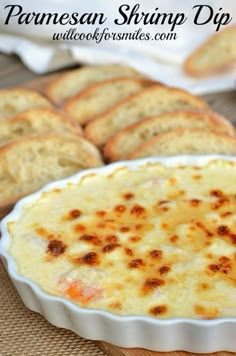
<point>200,336</point>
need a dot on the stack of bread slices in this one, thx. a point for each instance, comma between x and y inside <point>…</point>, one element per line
<point>92,115</point>
<point>132,116</point>
<point>38,144</point>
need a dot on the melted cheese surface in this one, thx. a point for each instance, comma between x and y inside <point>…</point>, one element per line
<point>152,241</point>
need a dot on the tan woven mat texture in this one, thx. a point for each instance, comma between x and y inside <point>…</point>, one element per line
<point>25,333</point>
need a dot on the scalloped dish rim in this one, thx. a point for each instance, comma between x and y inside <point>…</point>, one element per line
<point>43,297</point>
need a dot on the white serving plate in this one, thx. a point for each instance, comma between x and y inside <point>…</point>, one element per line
<point>193,335</point>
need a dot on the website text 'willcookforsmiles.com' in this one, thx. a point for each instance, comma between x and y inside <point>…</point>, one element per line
<point>99,35</point>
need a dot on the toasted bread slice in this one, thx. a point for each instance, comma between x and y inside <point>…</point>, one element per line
<point>148,102</point>
<point>37,122</point>
<point>74,81</point>
<point>215,55</point>
<point>128,139</point>
<point>100,97</point>
<point>27,164</point>
<point>14,101</point>
<point>186,141</point>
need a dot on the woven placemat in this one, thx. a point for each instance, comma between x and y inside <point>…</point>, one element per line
<point>25,333</point>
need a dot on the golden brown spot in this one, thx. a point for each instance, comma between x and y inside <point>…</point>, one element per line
<point>164,269</point>
<point>74,214</point>
<point>110,248</point>
<point>79,228</point>
<point>56,248</point>
<point>206,313</point>
<point>113,239</point>
<point>195,202</point>
<point>137,210</point>
<point>138,227</point>
<point>135,238</point>
<point>202,227</point>
<point>199,309</point>
<point>156,254</point>
<point>164,225</point>
<point>197,176</point>
<point>224,265</point>
<point>120,209</point>
<point>219,203</point>
<point>116,305</point>
<point>52,237</point>
<point>136,263</point>
<point>42,232</point>
<point>152,283</point>
<point>107,225</point>
<point>223,230</point>
<point>203,287</point>
<point>165,208</point>
<point>233,238</point>
<point>101,225</point>
<point>128,251</point>
<point>172,180</point>
<point>227,213</point>
<point>128,196</point>
<point>109,220</point>
<point>92,239</point>
<point>162,202</point>
<point>217,193</point>
<point>174,238</point>
<point>90,258</point>
<point>124,229</point>
<point>158,310</point>
<point>101,213</point>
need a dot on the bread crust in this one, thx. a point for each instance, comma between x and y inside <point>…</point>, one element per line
<point>52,137</point>
<point>169,137</point>
<point>69,103</point>
<point>50,91</point>
<point>188,64</point>
<point>113,147</point>
<point>95,127</point>
<point>17,94</point>
<point>29,114</point>
<point>26,92</point>
<point>89,154</point>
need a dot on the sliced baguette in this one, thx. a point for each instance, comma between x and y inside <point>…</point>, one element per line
<point>148,102</point>
<point>101,96</point>
<point>37,122</point>
<point>14,101</point>
<point>186,141</point>
<point>73,82</point>
<point>26,165</point>
<point>215,55</point>
<point>128,139</point>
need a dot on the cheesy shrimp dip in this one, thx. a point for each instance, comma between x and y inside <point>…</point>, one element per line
<point>154,240</point>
